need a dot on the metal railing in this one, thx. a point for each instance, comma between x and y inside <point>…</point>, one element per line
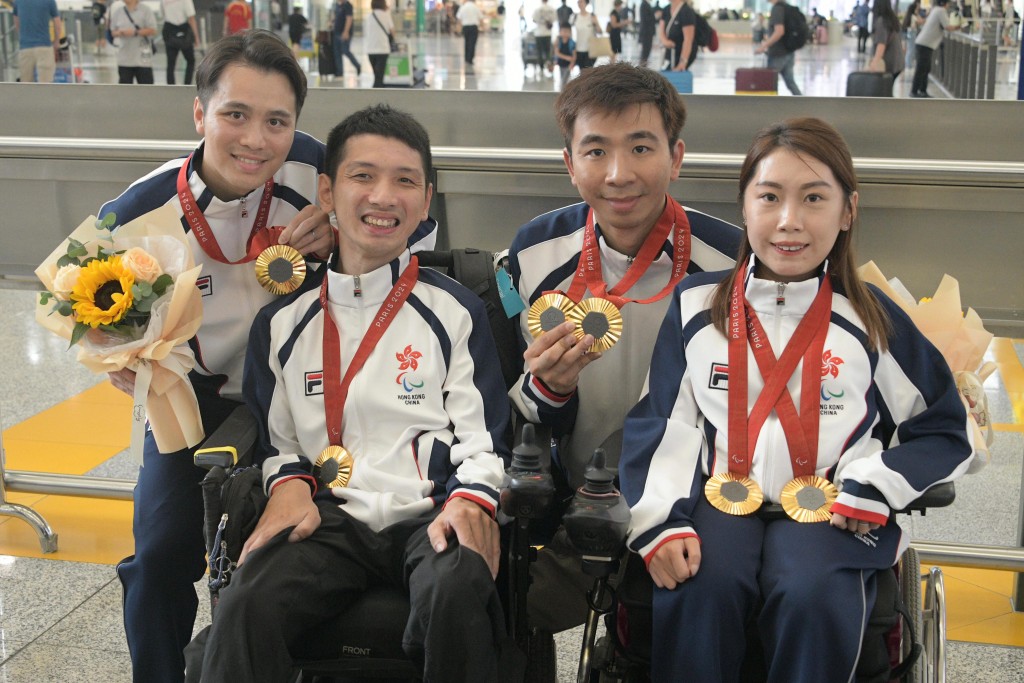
<point>8,41</point>
<point>966,66</point>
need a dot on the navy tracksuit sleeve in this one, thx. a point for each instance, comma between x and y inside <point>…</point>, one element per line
<point>260,383</point>
<point>922,430</point>
<point>532,398</point>
<point>662,449</point>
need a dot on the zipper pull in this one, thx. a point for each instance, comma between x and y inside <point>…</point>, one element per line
<point>357,287</point>
<point>780,294</point>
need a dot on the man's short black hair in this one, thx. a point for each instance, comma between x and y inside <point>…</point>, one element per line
<point>382,120</point>
<point>259,49</point>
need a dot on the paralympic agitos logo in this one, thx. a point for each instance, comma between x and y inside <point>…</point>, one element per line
<point>830,368</point>
<point>408,362</point>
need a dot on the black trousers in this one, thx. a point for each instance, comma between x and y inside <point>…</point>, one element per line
<point>189,54</point>
<point>922,69</point>
<point>645,48</point>
<point>469,35</point>
<point>456,622</point>
<point>378,63</point>
<point>544,50</point>
<point>126,75</point>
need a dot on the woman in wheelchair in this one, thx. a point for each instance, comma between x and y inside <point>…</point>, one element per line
<point>787,381</point>
<point>389,374</point>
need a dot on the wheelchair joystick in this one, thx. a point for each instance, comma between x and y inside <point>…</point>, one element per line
<point>527,495</point>
<point>597,523</point>
<point>530,490</point>
<point>598,519</point>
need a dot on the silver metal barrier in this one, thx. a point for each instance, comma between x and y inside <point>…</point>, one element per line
<point>967,67</point>
<point>8,46</point>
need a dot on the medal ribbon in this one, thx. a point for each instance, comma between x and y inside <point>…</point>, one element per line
<point>588,272</point>
<point>807,343</point>
<point>259,239</point>
<point>335,387</point>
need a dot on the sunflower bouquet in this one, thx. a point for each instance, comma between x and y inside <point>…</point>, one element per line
<point>127,298</point>
<point>960,337</point>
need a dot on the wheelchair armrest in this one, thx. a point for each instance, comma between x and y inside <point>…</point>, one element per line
<point>233,442</point>
<point>938,496</point>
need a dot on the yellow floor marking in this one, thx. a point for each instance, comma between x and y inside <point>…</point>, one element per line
<point>1011,372</point>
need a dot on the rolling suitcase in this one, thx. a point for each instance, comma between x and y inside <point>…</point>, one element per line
<point>821,35</point>
<point>325,53</point>
<point>682,81</point>
<point>757,82</point>
<point>869,84</point>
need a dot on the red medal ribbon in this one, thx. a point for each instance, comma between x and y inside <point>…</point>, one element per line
<point>335,387</point>
<point>259,238</point>
<point>588,273</point>
<point>807,342</point>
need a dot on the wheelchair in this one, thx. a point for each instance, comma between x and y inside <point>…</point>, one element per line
<point>904,640</point>
<point>364,642</point>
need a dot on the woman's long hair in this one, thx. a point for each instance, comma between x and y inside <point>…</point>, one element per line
<point>814,138</point>
<point>882,11</point>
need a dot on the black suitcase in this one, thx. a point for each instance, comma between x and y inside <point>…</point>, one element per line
<point>325,54</point>
<point>869,84</point>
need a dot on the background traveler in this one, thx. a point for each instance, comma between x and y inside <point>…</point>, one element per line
<point>36,60</point>
<point>181,34</point>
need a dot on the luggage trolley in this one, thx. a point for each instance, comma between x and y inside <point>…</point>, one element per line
<point>528,49</point>
<point>64,57</point>
<point>401,70</point>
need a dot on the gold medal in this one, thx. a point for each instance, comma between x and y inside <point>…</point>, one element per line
<point>809,499</point>
<point>333,468</point>
<point>547,313</point>
<point>599,318</point>
<point>280,269</point>
<point>733,494</point>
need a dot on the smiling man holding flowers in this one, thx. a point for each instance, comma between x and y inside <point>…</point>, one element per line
<point>250,184</point>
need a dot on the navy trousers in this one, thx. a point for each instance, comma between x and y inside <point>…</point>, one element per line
<point>812,585</point>
<point>159,596</point>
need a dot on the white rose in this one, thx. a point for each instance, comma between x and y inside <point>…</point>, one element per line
<point>141,264</point>
<point>64,281</point>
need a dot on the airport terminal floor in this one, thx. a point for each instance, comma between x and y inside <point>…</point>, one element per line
<point>60,613</point>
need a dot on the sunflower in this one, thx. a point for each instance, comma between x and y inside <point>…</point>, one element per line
<point>103,293</point>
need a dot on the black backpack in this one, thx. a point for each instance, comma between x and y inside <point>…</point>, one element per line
<point>795,27</point>
<point>702,31</point>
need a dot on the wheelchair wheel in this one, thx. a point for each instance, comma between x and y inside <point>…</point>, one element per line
<point>934,635</point>
<point>910,590</point>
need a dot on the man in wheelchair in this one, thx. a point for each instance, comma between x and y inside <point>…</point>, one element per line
<point>387,374</point>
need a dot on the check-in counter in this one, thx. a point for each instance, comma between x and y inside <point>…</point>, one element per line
<point>933,200</point>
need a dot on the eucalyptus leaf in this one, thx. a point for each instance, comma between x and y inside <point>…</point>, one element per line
<point>67,261</point>
<point>143,305</point>
<point>109,220</point>
<point>78,333</point>
<point>44,298</point>
<point>64,308</point>
<point>162,283</point>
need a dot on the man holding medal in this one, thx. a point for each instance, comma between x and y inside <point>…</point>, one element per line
<point>610,263</point>
<point>381,413</point>
<point>249,185</point>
